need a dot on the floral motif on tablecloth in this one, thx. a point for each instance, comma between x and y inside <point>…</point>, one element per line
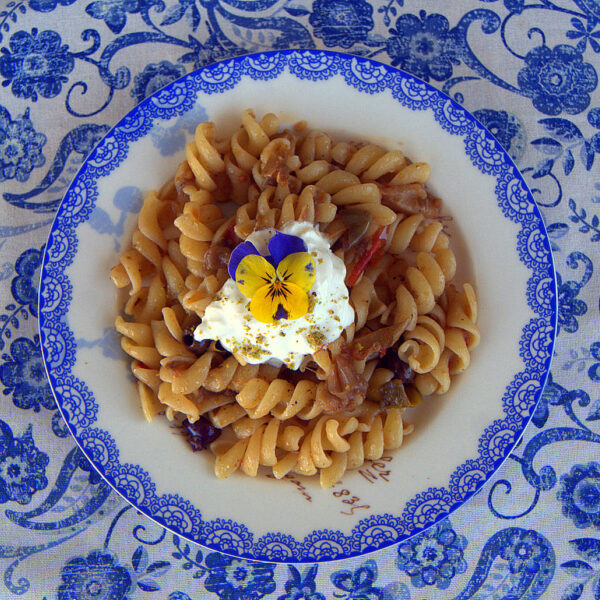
<point>114,12</point>
<point>569,306</point>
<point>178,596</point>
<point>235,579</point>
<point>24,286</point>
<point>524,551</point>
<point>557,79</point>
<point>36,63</point>
<point>22,466</point>
<point>422,46</point>
<point>48,5</point>
<point>93,577</point>
<point>579,494</point>
<point>301,586</point>
<point>593,371</point>
<point>585,33</point>
<point>23,375</point>
<point>341,23</point>
<point>433,557</point>
<point>20,146</point>
<point>358,584</point>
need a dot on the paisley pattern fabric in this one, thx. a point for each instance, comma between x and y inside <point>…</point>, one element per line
<point>527,69</point>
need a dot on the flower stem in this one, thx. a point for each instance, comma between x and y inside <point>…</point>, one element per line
<point>7,15</point>
<point>114,523</point>
<point>7,323</point>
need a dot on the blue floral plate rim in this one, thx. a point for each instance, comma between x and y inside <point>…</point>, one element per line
<point>376,531</point>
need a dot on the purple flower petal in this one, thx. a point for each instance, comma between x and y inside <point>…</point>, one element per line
<point>241,251</point>
<point>282,244</point>
<point>281,313</point>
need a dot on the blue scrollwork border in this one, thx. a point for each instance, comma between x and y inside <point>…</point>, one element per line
<point>78,404</point>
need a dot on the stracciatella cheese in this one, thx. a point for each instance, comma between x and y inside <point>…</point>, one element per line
<point>228,318</point>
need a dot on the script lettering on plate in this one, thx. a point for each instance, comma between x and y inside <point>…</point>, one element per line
<point>374,472</point>
<point>378,470</point>
<point>300,488</point>
<point>351,501</point>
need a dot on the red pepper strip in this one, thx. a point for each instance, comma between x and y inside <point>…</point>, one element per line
<point>377,257</point>
<point>377,244</point>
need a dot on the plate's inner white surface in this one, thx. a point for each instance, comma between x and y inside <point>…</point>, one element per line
<point>447,427</point>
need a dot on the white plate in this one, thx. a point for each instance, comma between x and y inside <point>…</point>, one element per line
<point>460,438</point>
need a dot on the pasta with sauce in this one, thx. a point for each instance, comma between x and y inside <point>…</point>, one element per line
<point>413,330</point>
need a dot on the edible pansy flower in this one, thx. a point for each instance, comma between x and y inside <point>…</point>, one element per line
<point>277,285</point>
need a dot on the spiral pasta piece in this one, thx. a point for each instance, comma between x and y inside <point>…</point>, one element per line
<point>461,336</point>
<point>423,345</point>
<point>248,142</point>
<point>149,242</point>
<point>315,146</point>
<point>334,445</point>
<point>373,162</point>
<point>366,303</point>
<point>425,283</point>
<point>203,158</point>
<point>260,448</point>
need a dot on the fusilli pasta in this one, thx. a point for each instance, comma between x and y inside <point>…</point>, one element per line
<point>413,330</point>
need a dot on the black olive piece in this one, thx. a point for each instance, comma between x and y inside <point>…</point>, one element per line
<point>339,243</point>
<point>200,434</point>
<point>293,376</point>
<point>198,348</point>
<point>286,373</point>
<point>219,346</point>
<point>394,363</point>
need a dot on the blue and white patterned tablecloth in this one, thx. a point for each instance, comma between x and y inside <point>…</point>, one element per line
<point>528,69</point>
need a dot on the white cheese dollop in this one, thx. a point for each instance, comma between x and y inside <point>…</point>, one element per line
<point>228,318</point>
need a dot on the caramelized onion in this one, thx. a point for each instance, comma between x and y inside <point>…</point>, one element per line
<point>357,222</point>
<point>376,342</point>
<point>410,199</point>
<point>347,387</point>
<point>183,176</point>
<point>275,169</point>
<point>215,257</point>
